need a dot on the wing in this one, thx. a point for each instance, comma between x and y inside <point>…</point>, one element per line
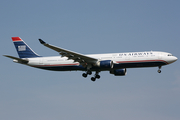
<point>77,57</point>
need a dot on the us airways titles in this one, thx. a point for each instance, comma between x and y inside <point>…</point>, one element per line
<point>136,54</point>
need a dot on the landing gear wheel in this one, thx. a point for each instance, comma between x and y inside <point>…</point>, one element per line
<point>97,76</point>
<point>89,72</point>
<point>93,79</point>
<point>84,75</point>
<point>159,71</point>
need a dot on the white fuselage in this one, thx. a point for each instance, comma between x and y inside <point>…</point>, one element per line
<point>120,60</point>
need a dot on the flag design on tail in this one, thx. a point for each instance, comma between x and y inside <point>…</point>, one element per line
<point>23,50</point>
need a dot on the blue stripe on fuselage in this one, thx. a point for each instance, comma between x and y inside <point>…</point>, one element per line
<point>116,66</point>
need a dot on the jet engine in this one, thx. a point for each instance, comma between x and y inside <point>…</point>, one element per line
<point>118,72</point>
<point>105,64</point>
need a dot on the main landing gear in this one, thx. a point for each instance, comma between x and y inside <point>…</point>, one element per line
<point>92,78</point>
<point>87,73</point>
<point>159,70</point>
<point>95,76</point>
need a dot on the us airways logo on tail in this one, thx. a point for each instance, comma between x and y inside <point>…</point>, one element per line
<point>24,51</point>
<point>22,48</point>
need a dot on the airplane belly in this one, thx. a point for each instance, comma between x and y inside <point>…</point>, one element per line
<point>135,64</point>
<point>141,61</point>
<point>62,68</point>
<point>57,65</point>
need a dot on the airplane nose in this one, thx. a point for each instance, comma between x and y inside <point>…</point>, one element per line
<point>172,59</point>
<point>175,59</point>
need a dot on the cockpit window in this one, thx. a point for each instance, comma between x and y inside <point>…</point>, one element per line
<point>170,55</point>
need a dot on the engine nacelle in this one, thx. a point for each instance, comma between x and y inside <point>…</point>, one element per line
<point>105,64</point>
<point>118,72</point>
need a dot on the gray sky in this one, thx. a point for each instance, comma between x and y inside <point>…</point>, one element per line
<point>96,26</point>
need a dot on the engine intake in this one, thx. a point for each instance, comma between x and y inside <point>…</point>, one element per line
<point>118,72</point>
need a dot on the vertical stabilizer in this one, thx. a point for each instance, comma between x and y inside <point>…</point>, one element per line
<point>24,51</point>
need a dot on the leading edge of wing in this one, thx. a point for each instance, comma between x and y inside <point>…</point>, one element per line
<point>77,57</point>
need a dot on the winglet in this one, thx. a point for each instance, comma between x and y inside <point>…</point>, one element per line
<point>41,41</point>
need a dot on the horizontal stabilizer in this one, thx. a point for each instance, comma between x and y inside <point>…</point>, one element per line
<point>19,60</point>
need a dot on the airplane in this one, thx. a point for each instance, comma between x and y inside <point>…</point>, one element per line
<point>115,63</point>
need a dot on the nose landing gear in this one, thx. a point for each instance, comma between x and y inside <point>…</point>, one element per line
<point>159,70</point>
